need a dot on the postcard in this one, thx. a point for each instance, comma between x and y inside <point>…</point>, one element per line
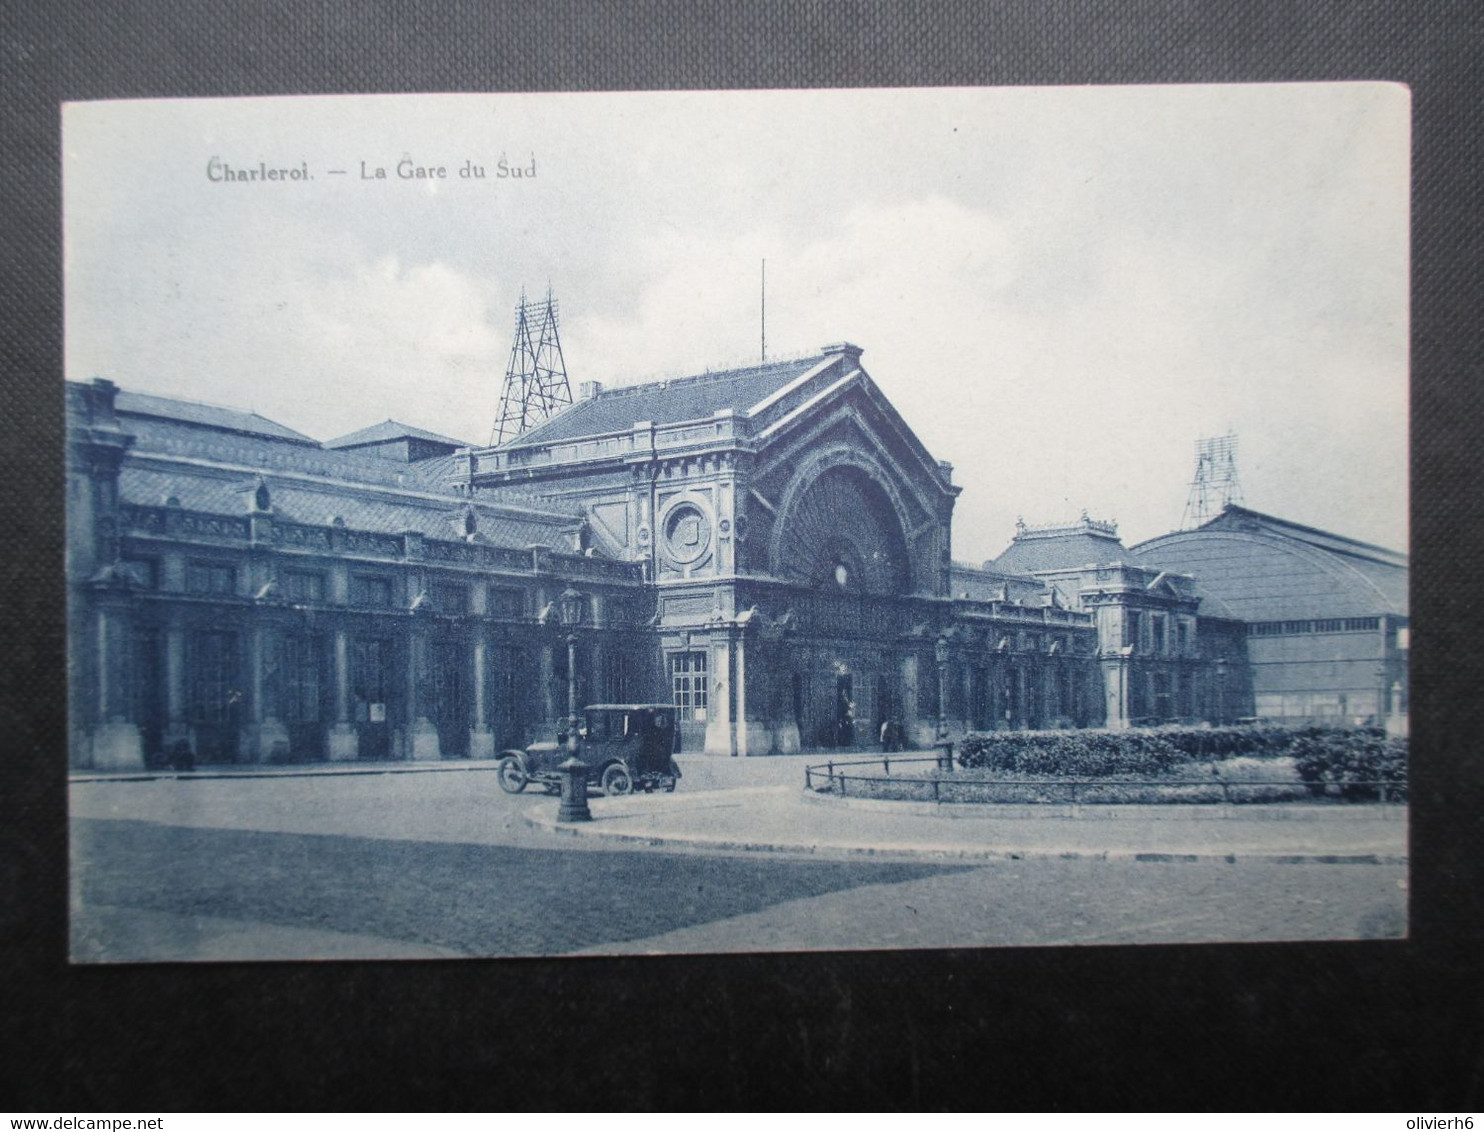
<point>551,524</point>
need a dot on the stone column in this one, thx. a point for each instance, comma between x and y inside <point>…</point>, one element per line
<point>917,731</point>
<point>966,687</point>
<point>116,742</point>
<point>548,677</point>
<point>176,728</point>
<point>751,735</point>
<point>721,736</point>
<point>1022,694</point>
<point>343,743</point>
<point>1115,691</point>
<point>421,735</point>
<point>268,738</point>
<point>597,691</point>
<point>481,738</point>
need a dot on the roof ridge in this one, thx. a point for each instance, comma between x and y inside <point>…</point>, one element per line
<point>1289,523</point>
<point>127,394</point>
<point>704,375</point>
<point>412,430</point>
<point>125,391</point>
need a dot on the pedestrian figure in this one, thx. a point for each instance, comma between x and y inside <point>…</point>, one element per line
<point>886,735</point>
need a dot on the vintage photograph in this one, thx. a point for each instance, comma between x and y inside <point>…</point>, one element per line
<point>704,522</point>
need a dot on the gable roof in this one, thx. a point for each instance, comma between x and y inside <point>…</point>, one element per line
<point>389,430</point>
<point>666,402</point>
<point>208,416</point>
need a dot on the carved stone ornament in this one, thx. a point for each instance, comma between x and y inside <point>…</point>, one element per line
<point>687,533</point>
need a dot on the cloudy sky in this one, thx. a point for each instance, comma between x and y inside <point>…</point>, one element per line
<point>1060,289</point>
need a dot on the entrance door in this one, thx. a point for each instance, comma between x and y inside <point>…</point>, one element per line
<point>845,711</point>
<point>371,679</point>
<point>214,696</point>
<point>1164,707</point>
<point>885,709</point>
<point>147,693</point>
<point>450,695</point>
<point>304,689</point>
<point>690,689</point>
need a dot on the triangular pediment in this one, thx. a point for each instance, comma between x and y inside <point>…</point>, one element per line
<point>846,392</point>
<point>856,426</point>
<point>1164,585</point>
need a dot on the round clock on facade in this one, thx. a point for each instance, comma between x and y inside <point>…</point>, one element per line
<point>687,533</point>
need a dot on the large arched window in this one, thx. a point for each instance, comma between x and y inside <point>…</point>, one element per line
<point>842,533</point>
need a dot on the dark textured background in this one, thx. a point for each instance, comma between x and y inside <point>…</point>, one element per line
<point>1394,1026</point>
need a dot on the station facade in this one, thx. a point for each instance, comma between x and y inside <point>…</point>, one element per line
<point>769,549</point>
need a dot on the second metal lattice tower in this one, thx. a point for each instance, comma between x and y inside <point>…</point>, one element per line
<point>1215,484</point>
<point>536,384</point>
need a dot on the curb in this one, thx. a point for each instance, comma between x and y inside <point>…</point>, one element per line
<point>1110,811</point>
<point>945,852</point>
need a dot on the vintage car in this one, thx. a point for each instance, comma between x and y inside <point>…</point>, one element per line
<point>626,747</point>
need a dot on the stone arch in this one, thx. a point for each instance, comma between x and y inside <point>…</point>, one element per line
<point>842,521</point>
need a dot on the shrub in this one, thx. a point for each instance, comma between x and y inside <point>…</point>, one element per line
<point>1323,756</point>
<point>1070,754</point>
<point>1211,743</point>
<point>1344,759</point>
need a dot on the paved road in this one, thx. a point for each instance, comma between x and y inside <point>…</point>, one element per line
<point>444,864</point>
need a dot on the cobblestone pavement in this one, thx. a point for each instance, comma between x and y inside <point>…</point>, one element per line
<point>413,865</point>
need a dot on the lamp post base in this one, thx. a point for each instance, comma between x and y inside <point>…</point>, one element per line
<point>944,747</point>
<point>574,792</point>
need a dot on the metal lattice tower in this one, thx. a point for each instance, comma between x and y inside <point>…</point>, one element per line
<point>1215,484</point>
<point>536,382</point>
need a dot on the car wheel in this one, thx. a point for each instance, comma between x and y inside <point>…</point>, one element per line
<point>512,777</point>
<point>617,780</point>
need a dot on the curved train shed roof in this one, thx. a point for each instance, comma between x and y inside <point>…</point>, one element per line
<point>1263,568</point>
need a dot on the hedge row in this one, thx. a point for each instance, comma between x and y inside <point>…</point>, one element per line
<point>1345,758</point>
<point>1322,755</point>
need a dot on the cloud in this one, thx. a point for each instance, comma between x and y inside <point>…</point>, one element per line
<point>1060,290</point>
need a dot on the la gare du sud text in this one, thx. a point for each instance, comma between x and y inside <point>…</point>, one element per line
<point>404,170</point>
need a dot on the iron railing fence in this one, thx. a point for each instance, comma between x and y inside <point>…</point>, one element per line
<point>833,777</point>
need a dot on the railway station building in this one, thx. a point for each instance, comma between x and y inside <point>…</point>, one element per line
<point>767,548</point>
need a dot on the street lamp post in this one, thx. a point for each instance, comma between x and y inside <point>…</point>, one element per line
<point>570,606</point>
<point>1220,690</point>
<point>945,748</point>
<point>574,807</point>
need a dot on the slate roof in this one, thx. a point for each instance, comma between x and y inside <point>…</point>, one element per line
<point>207,457</point>
<point>389,430</point>
<point>1267,569</point>
<point>318,505</point>
<point>666,402</point>
<point>1036,551</point>
<point>985,584</point>
<point>207,416</point>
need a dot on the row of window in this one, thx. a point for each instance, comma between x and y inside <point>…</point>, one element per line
<point>375,591</point>
<point>1322,625</point>
<point>1153,635</point>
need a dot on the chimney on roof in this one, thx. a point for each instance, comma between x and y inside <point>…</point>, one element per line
<point>849,349</point>
<point>587,390</point>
